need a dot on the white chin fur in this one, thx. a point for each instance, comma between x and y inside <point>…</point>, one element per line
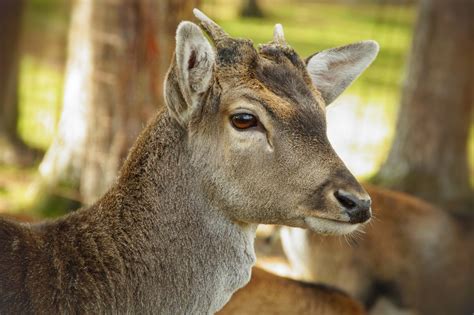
<point>329,227</point>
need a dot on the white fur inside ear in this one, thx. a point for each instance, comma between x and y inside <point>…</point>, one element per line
<point>195,62</point>
<point>333,70</point>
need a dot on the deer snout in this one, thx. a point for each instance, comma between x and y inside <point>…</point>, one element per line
<point>357,207</point>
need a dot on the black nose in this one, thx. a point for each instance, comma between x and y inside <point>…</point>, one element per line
<point>357,209</point>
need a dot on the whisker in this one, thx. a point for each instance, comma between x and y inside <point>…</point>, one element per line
<point>347,242</point>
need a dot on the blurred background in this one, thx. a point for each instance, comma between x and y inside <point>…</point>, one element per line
<point>80,79</point>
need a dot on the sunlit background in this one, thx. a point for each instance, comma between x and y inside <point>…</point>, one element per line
<point>361,123</point>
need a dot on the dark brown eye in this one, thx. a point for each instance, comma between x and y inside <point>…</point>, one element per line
<point>244,121</point>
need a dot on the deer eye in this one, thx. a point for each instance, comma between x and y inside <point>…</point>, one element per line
<point>244,121</point>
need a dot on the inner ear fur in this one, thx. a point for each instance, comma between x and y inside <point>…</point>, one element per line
<point>191,72</point>
<point>333,70</point>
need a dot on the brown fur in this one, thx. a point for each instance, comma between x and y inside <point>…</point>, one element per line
<point>115,255</point>
<point>269,294</point>
<point>175,232</point>
<point>414,254</point>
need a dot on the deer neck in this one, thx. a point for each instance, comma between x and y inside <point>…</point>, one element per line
<point>200,256</point>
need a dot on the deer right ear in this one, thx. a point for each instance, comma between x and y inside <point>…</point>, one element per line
<point>191,72</point>
<point>333,70</point>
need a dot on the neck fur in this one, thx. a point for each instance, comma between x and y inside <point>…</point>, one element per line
<point>197,256</point>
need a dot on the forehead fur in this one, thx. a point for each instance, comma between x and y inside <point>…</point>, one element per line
<point>236,53</point>
<point>279,79</point>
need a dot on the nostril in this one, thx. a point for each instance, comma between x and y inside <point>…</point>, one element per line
<point>345,200</point>
<point>357,209</point>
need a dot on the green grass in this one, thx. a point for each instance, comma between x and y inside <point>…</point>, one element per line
<point>44,28</point>
<point>45,24</point>
<point>41,86</point>
<point>14,186</point>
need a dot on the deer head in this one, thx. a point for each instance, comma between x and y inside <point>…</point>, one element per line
<point>256,128</point>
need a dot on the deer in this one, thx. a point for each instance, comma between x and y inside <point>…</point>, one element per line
<point>417,258</point>
<point>241,141</point>
<point>269,294</point>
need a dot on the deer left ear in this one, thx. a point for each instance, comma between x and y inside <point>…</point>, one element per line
<point>333,70</point>
<point>191,72</point>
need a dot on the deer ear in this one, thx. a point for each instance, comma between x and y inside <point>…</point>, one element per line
<point>191,72</point>
<point>333,70</point>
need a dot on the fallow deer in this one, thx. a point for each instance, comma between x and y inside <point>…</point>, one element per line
<point>242,141</point>
<point>417,256</point>
<point>269,294</point>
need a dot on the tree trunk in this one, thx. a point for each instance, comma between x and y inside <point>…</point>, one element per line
<point>429,154</point>
<point>251,8</point>
<point>63,159</point>
<point>13,149</point>
<point>114,76</point>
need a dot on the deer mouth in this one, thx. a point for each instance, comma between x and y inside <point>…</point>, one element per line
<point>329,226</point>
